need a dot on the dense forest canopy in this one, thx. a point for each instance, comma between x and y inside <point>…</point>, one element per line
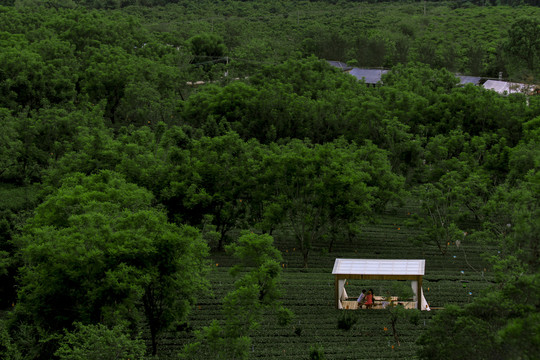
<point>135,136</point>
<point>475,40</point>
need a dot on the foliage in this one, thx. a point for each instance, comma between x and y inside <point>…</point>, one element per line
<point>207,48</point>
<point>217,178</point>
<point>228,116</point>
<point>262,260</point>
<point>97,342</point>
<point>401,290</point>
<point>8,262</point>
<point>255,291</point>
<point>295,99</point>
<point>502,318</point>
<point>346,320</point>
<point>523,43</point>
<point>119,257</point>
<point>8,349</point>
<point>440,212</point>
<point>397,312</point>
<point>324,187</point>
<point>316,353</point>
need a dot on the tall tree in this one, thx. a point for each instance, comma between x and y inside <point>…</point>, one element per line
<point>97,251</point>
<point>504,320</point>
<point>217,178</point>
<point>440,211</point>
<point>320,188</point>
<point>523,42</point>
<point>257,290</point>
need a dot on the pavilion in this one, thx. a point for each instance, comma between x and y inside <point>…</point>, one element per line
<point>379,269</point>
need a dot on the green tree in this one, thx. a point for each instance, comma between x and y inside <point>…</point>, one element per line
<point>147,156</point>
<point>10,145</point>
<point>525,156</point>
<point>8,262</point>
<point>8,348</point>
<point>503,319</point>
<point>523,42</point>
<point>108,71</point>
<point>92,148</point>
<point>217,109</point>
<point>440,212</point>
<point>397,312</point>
<point>256,291</point>
<point>208,49</point>
<point>370,51</point>
<point>217,178</point>
<point>54,140</point>
<point>257,254</point>
<point>22,81</point>
<point>316,353</point>
<point>97,251</point>
<point>141,105</point>
<point>320,188</point>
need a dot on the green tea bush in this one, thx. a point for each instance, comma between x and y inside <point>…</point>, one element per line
<point>316,353</point>
<point>346,320</point>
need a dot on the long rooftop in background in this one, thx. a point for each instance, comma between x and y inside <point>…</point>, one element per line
<point>374,77</point>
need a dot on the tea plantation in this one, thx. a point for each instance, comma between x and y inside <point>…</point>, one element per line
<point>453,278</point>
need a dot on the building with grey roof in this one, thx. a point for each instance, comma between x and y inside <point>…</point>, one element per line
<point>475,80</point>
<point>370,76</point>
<point>340,65</point>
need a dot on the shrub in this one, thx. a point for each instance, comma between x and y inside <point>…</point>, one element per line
<point>346,320</point>
<point>97,342</point>
<point>316,353</point>
<point>8,350</point>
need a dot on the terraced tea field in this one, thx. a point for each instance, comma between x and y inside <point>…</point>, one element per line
<point>449,279</point>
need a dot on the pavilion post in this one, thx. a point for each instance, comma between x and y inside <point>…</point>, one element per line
<point>419,292</point>
<point>336,292</point>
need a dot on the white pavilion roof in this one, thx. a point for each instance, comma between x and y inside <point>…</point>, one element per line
<point>379,267</point>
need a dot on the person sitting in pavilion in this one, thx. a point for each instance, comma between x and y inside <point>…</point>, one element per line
<point>362,298</point>
<point>369,300</point>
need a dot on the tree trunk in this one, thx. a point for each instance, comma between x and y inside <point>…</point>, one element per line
<point>394,331</point>
<point>332,238</point>
<point>153,336</point>
<point>221,241</point>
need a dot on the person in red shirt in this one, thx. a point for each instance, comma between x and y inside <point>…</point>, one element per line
<point>369,300</point>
